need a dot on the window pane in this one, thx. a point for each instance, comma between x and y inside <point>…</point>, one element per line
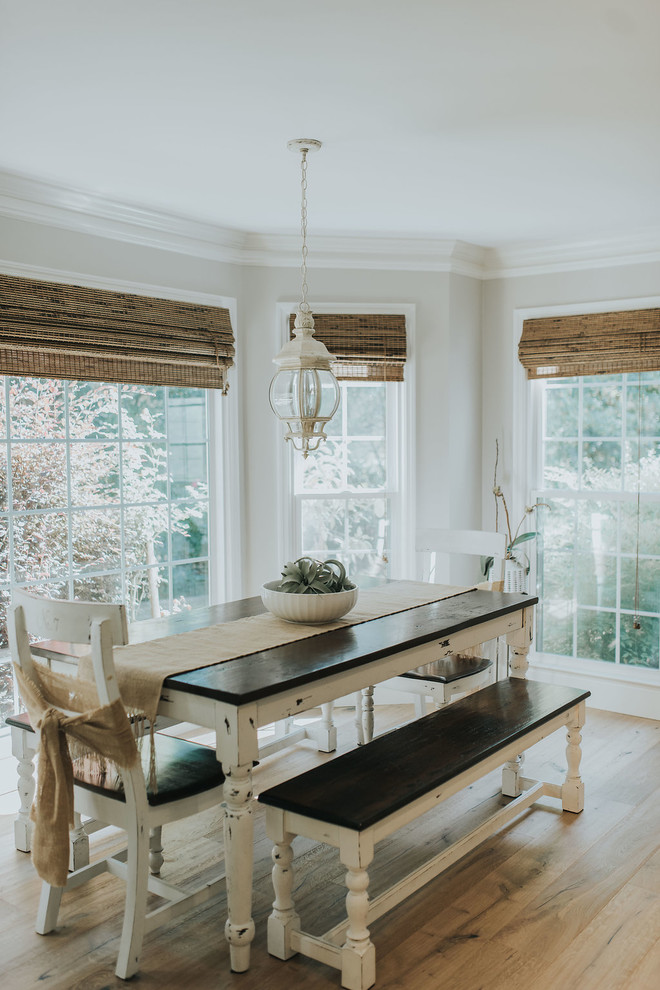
<point>324,470</point>
<point>367,524</point>
<point>555,574</point>
<point>602,407</point>
<point>186,411</point>
<point>596,635</point>
<point>144,471</point>
<point>649,584</point>
<point>190,530</point>
<point>366,464</point>
<point>147,593</point>
<point>36,408</point>
<point>190,584</point>
<point>560,464</point>
<point>38,473</point>
<point>93,411</point>
<point>595,579</point>
<point>100,588</point>
<point>642,466</point>
<point>561,411</point>
<point>556,628</point>
<point>94,473</point>
<point>3,479</point>
<point>556,524</point>
<point>96,540</point>
<point>187,468</point>
<point>365,409</point>
<point>648,397</point>
<point>649,527</point>
<point>323,526</point>
<point>40,546</point>
<point>639,647</point>
<point>601,464</point>
<point>597,526</point>
<point>142,412</point>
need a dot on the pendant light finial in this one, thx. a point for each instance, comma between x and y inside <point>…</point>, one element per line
<point>304,393</point>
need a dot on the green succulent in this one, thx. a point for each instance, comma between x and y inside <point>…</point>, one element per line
<point>307,576</point>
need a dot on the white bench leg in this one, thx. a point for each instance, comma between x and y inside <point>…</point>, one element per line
<point>359,723</point>
<point>368,713</point>
<point>324,732</point>
<point>284,919</point>
<point>572,791</point>
<point>23,747</point>
<point>511,774</point>
<point>358,953</point>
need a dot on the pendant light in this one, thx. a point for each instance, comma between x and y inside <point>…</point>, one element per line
<point>304,393</point>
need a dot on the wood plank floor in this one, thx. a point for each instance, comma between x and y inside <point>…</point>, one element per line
<point>553,902</point>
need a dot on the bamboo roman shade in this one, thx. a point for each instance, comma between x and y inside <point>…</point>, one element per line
<point>368,348</point>
<point>50,330</point>
<point>591,344</point>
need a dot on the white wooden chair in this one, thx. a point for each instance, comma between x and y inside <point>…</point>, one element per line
<point>189,778</point>
<point>459,674</point>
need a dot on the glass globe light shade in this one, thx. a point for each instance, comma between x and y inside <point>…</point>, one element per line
<point>304,393</point>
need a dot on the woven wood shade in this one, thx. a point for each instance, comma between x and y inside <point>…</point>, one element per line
<point>592,344</point>
<point>49,330</point>
<point>369,348</point>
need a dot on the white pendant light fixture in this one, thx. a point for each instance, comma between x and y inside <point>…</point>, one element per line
<point>304,393</point>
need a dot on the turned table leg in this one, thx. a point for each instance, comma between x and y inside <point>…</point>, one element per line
<point>572,791</point>
<point>283,919</point>
<point>358,954</point>
<point>239,837</point>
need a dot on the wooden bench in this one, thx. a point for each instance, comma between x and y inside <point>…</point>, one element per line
<point>359,798</point>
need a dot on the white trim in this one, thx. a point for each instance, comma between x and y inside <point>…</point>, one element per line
<point>610,690</point>
<point>405,468</point>
<point>517,260</point>
<point>225,535</point>
<point>37,201</point>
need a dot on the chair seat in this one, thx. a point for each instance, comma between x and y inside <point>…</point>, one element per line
<point>182,769</point>
<point>451,668</point>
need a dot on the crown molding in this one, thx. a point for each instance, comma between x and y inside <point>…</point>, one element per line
<point>38,201</point>
<point>554,256</point>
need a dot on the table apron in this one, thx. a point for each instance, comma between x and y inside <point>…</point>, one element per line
<point>236,725</point>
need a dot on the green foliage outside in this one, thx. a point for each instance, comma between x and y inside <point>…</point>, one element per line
<point>602,441</point>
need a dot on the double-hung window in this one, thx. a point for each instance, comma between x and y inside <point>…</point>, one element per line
<point>351,497</point>
<point>597,402</point>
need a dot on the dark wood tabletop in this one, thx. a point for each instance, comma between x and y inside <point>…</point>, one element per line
<point>261,675</point>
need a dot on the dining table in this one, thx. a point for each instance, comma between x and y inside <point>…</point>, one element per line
<point>406,625</point>
<point>236,697</point>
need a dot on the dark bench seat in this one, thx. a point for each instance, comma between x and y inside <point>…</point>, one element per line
<point>363,796</point>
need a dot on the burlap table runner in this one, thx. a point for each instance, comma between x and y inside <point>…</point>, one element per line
<point>142,668</point>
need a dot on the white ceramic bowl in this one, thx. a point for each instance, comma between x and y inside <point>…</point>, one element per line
<point>311,609</point>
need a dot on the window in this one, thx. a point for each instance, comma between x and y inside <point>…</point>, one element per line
<point>598,559</point>
<point>103,495</point>
<point>347,494</point>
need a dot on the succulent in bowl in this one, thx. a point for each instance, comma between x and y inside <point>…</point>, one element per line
<point>307,576</point>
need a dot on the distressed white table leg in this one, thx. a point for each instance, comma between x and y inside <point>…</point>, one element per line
<point>368,713</point>
<point>239,837</point>
<point>156,858</point>
<point>326,733</point>
<point>519,643</point>
<point>23,747</point>
<point>572,791</point>
<point>358,954</point>
<point>284,919</point>
<point>78,844</point>
<point>359,724</point>
<point>511,774</point>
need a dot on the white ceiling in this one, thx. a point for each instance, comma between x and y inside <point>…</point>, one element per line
<point>491,121</point>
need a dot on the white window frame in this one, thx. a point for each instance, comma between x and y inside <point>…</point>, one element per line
<point>402,545</point>
<point>618,688</point>
<point>225,507</point>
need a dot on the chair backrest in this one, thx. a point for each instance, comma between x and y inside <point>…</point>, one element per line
<point>97,624</point>
<point>431,544</point>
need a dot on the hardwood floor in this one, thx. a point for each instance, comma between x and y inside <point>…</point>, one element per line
<point>553,902</point>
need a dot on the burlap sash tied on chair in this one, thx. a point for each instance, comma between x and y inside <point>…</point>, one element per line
<point>104,731</point>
